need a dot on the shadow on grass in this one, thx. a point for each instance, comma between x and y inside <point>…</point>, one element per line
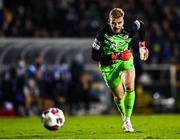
<point>138,132</point>
<point>132,132</point>
<point>150,137</point>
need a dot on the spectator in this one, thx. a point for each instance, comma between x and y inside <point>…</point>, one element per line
<point>61,80</point>
<point>83,18</point>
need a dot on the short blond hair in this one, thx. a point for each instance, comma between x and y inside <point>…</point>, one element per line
<point>116,13</point>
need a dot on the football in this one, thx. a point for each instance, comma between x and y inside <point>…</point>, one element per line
<point>53,118</point>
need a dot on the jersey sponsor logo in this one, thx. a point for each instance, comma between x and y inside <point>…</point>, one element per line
<point>96,44</point>
<point>126,37</point>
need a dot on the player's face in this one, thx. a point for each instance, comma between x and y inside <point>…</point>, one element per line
<point>116,24</point>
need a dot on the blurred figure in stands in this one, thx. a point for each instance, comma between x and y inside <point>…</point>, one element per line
<point>79,87</point>
<point>21,70</point>
<point>36,86</point>
<point>32,101</point>
<point>61,80</point>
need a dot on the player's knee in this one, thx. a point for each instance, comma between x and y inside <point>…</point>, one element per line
<point>118,96</point>
<point>129,87</point>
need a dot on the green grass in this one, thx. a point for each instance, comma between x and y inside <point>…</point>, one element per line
<point>89,127</point>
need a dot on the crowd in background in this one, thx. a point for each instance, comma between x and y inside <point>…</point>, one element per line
<point>82,18</point>
<point>29,85</point>
<point>30,89</point>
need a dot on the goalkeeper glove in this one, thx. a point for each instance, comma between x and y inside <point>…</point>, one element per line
<point>143,51</point>
<point>124,55</point>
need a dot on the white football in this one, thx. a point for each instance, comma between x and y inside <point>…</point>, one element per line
<point>53,119</point>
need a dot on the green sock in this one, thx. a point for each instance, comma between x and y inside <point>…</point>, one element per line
<point>120,105</point>
<point>129,102</point>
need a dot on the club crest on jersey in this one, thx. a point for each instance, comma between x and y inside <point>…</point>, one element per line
<point>126,36</point>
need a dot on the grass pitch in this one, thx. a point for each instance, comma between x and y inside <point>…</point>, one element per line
<point>90,127</point>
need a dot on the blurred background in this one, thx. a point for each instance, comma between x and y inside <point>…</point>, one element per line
<point>45,56</point>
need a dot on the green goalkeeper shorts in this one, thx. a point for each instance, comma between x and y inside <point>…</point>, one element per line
<point>112,73</point>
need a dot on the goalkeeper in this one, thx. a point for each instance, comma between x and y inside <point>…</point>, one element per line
<point>111,49</point>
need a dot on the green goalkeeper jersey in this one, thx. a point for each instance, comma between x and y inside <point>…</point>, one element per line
<point>115,43</point>
<point>107,42</point>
